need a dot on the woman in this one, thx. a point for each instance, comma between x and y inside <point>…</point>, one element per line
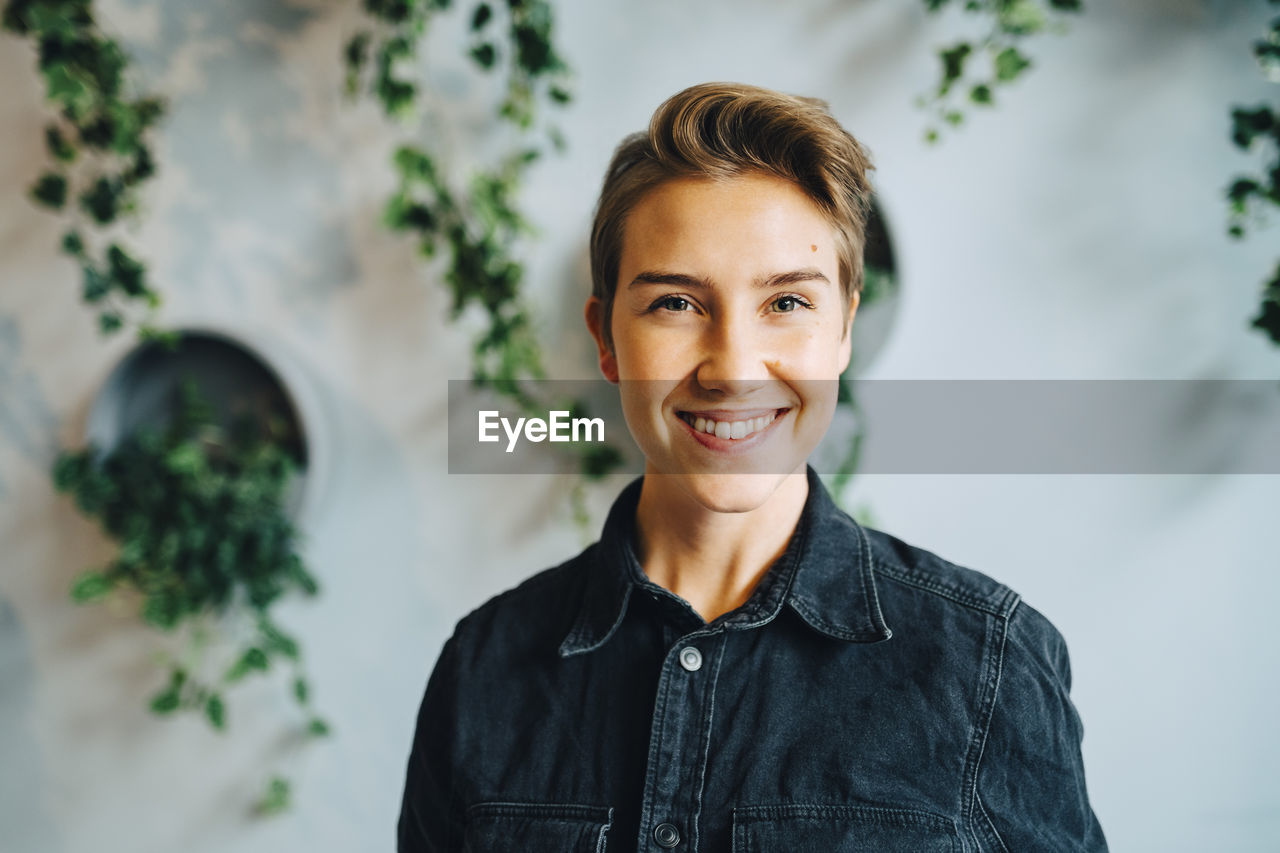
<point>737,665</point>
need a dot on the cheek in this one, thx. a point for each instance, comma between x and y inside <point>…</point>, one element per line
<point>653,353</point>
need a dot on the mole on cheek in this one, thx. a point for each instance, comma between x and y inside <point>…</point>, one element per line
<point>813,247</point>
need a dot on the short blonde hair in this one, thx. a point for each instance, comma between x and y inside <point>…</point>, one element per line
<point>721,130</point>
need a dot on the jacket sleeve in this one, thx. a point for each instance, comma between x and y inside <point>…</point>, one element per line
<point>429,822</point>
<point>1031,792</point>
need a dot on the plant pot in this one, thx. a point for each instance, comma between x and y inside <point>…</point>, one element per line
<point>237,372</point>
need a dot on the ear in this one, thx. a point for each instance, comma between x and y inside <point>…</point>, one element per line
<point>846,341</point>
<point>594,314</point>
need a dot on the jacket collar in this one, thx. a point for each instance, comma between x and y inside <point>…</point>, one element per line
<point>824,575</point>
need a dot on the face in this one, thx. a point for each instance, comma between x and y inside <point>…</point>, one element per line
<point>729,330</point>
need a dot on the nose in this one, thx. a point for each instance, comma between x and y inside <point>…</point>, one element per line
<point>735,359</point>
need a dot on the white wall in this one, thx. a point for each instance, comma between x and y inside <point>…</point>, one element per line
<point>1074,232</point>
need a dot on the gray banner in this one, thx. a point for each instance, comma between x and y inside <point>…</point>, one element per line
<point>1198,426</point>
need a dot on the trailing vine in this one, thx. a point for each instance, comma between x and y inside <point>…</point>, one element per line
<point>476,224</point>
<point>960,85</point>
<point>1258,129</point>
<point>198,512</point>
<point>99,153</point>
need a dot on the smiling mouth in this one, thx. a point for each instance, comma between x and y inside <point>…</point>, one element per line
<point>730,429</point>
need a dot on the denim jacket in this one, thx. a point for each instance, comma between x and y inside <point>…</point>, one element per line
<point>869,696</point>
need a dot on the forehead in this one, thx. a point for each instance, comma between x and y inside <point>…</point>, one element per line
<point>744,223</point>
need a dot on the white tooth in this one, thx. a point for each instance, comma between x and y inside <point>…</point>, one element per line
<point>738,429</point>
<point>760,422</point>
<point>699,424</point>
<point>710,427</point>
<point>722,429</point>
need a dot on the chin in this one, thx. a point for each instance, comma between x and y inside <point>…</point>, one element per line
<point>730,493</point>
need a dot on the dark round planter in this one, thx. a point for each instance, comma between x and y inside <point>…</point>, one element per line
<point>238,373</point>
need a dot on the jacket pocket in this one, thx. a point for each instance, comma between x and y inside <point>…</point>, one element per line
<point>521,827</point>
<point>841,829</point>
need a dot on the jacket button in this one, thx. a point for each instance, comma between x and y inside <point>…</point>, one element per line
<point>666,835</point>
<point>691,658</point>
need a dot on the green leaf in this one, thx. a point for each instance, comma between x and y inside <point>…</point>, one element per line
<point>301,691</point>
<point>275,799</point>
<point>396,95</point>
<point>148,111</point>
<point>71,88</point>
<point>162,609</point>
<point>980,94</point>
<point>1246,125</point>
<point>216,711</point>
<point>70,469</point>
<point>481,16</point>
<point>1020,17</point>
<point>953,62</point>
<point>90,586</point>
<point>276,640</point>
<point>103,200</point>
<point>253,659</point>
<point>165,703</point>
<point>413,164</point>
<point>73,243</point>
<point>57,144</point>
<point>109,322</point>
<point>96,285</point>
<point>186,460</point>
<point>50,190</point>
<point>1268,319</point>
<point>317,727</point>
<point>599,460</point>
<point>300,576</point>
<point>1242,189</point>
<point>127,272</point>
<point>357,50</point>
<point>1010,63</point>
<point>142,168</point>
<point>485,55</point>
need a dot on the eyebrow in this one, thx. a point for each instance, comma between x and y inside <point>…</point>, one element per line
<point>781,279</point>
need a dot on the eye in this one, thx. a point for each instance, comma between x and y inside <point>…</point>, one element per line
<point>671,302</point>
<point>789,302</point>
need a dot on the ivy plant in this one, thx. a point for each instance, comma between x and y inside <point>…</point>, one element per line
<point>999,53</point>
<point>197,511</point>
<point>99,153</point>
<point>1257,130</point>
<point>476,223</point>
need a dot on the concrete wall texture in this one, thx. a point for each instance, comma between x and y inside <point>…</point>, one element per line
<point>1075,231</point>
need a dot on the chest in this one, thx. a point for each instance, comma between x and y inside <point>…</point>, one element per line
<point>778,740</point>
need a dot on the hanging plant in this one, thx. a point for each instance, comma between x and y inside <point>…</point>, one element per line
<point>1254,130</point>
<point>99,154</point>
<point>476,224</point>
<point>197,511</point>
<point>999,51</point>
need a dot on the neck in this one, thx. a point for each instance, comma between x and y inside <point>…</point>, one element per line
<point>710,558</point>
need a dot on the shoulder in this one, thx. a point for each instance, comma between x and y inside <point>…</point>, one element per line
<point>905,569</point>
<point>1025,634</point>
<point>541,606</point>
